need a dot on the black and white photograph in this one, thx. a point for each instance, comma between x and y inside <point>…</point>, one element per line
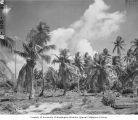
<point>69,57</point>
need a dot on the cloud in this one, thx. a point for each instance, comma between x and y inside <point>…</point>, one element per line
<point>95,24</point>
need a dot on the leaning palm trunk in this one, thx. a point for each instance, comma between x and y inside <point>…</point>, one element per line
<point>31,90</point>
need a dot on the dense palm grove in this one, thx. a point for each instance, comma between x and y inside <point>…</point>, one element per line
<point>81,73</point>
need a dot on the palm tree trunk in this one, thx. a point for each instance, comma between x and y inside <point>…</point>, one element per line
<point>78,85</point>
<point>15,85</point>
<point>15,61</point>
<point>32,90</point>
<point>64,80</point>
<point>43,83</point>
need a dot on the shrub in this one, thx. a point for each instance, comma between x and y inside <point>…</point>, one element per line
<point>127,91</point>
<point>108,98</point>
<point>117,86</point>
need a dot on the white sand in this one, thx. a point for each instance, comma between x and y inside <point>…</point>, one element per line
<point>43,108</point>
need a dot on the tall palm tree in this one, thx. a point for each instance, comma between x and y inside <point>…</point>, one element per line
<point>99,67</point>
<point>40,35</point>
<point>63,60</point>
<point>34,49</point>
<point>119,43</point>
<point>87,69</point>
<point>47,59</point>
<point>31,56</point>
<point>78,63</point>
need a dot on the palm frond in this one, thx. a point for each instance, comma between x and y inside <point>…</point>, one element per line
<point>122,48</point>
<point>22,54</point>
<point>7,42</point>
<point>3,61</point>
<point>47,58</point>
<point>68,61</point>
<point>55,61</point>
<point>47,48</point>
<point>114,49</point>
<point>26,48</point>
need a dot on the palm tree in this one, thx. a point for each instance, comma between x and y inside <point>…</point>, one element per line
<point>34,49</point>
<point>119,43</point>
<point>87,69</point>
<point>63,60</point>
<point>129,57</point>
<point>106,52</point>
<point>99,67</point>
<point>106,55</point>
<point>31,56</point>
<point>47,59</point>
<point>42,37</point>
<point>135,46</point>
<point>78,63</point>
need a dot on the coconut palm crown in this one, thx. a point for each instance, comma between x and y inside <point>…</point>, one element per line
<point>119,43</point>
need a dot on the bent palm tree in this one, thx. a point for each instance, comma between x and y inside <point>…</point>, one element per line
<point>119,43</point>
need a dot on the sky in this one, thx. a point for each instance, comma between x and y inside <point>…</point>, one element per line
<point>26,14</point>
<point>79,25</point>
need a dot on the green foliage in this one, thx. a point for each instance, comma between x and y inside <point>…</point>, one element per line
<point>95,69</point>
<point>78,61</point>
<point>7,42</point>
<point>108,98</point>
<point>119,43</point>
<point>117,85</point>
<point>34,48</point>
